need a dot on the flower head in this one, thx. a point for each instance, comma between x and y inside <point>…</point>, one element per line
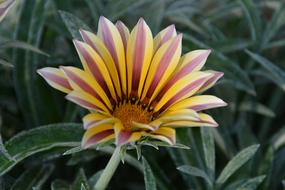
<point>136,86</point>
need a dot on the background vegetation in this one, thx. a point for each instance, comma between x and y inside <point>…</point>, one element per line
<point>41,131</point>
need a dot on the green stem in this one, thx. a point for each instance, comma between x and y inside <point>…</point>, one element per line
<point>109,170</point>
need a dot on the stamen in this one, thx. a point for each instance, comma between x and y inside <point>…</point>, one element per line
<point>129,113</point>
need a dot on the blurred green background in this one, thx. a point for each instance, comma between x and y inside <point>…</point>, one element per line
<point>247,39</point>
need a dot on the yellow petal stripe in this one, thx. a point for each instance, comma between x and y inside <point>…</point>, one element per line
<point>205,120</point>
<point>194,60</point>
<point>212,81</point>
<point>87,101</point>
<point>165,134</point>
<point>95,119</point>
<point>55,78</point>
<point>125,136</point>
<point>94,65</point>
<point>82,81</point>
<point>162,66</point>
<point>198,103</point>
<point>182,89</point>
<point>98,134</point>
<point>97,44</point>
<point>163,36</point>
<point>111,37</point>
<point>139,54</point>
<point>124,32</point>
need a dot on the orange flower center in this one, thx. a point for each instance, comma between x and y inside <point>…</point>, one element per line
<point>129,113</point>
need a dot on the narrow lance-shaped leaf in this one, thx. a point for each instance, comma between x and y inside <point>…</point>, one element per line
<point>209,150</point>
<point>81,181</point>
<point>59,185</point>
<point>40,139</point>
<point>22,45</point>
<point>252,15</point>
<point>73,24</point>
<point>191,170</point>
<point>33,177</point>
<point>276,74</point>
<point>149,179</point>
<point>274,25</point>
<point>246,184</point>
<point>236,162</point>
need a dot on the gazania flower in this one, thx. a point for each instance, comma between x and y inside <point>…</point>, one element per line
<point>136,86</point>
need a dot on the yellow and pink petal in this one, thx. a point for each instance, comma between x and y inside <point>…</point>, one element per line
<point>212,81</point>
<point>163,36</point>
<point>124,136</point>
<point>87,101</point>
<point>139,55</point>
<point>165,134</point>
<point>190,62</point>
<point>162,66</point>
<point>98,134</point>
<point>95,119</point>
<point>205,120</point>
<point>82,81</point>
<point>55,78</point>
<point>199,103</point>
<point>124,32</point>
<point>94,65</point>
<point>183,88</point>
<point>111,37</point>
<point>97,44</point>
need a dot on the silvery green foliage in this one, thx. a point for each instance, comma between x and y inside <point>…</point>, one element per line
<point>247,40</point>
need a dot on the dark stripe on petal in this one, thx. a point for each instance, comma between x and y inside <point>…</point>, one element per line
<point>123,137</point>
<point>93,66</point>
<point>56,79</point>
<point>82,102</point>
<point>138,57</point>
<point>98,137</point>
<point>182,92</point>
<point>163,65</point>
<point>189,67</point>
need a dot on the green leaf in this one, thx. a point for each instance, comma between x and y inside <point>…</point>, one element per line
<point>81,181</point>
<point>6,64</point>
<point>253,18</point>
<point>209,150</point>
<point>29,30</point>
<point>274,25</point>
<point>149,179</point>
<point>194,171</point>
<point>252,106</point>
<point>22,45</point>
<point>4,153</point>
<point>246,184</point>
<point>83,187</point>
<point>73,150</point>
<point>156,144</point>
<point>40,139</point>
<point>116,9</point>
<point>232,70</point>
<point>93,179</point>
<point>278,140</point>
<point>276,74</point>
<point>236,162</point>
<point>60,185</point>
<point>73,24</point>
<point>33,178</point>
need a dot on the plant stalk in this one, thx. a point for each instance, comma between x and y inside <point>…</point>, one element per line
<point>109,171</point>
